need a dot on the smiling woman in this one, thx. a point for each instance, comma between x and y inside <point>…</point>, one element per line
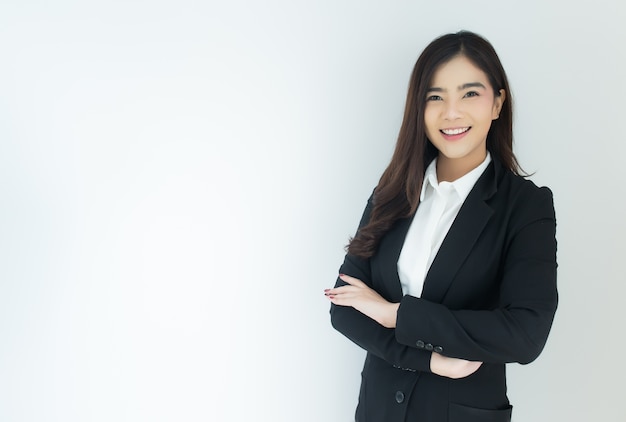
<point>452,272</point>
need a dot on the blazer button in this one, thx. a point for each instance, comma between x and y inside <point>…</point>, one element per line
<point>419,344</point>
<point>399,396</point>
<point>438,349</point>
<point>429,347</point>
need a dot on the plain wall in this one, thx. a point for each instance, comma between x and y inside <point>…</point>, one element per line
<point>178,180</point>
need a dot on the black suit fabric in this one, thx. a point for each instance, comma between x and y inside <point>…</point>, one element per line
<point>490,295</point>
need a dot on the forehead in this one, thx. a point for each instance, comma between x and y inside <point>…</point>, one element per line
<point>456,72</point>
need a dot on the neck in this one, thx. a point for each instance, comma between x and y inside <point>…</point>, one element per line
<point>451,169</point>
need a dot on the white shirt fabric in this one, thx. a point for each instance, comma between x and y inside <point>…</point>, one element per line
<point>439,205</point>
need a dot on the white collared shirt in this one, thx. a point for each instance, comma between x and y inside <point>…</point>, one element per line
<point>439,205</point>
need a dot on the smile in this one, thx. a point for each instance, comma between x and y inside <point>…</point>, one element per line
<point>455,131</point>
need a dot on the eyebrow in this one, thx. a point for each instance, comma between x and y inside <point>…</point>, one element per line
<point>460,88</point>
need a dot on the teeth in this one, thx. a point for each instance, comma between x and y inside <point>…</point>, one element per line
<point>455,131</point>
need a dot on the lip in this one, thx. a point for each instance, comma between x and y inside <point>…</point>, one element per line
<point>457,136</point>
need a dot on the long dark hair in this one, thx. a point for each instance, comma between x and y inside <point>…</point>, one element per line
<point>398,191</point>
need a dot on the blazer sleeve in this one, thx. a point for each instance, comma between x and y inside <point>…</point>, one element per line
<point>364,331</point>
<point>517,329</point>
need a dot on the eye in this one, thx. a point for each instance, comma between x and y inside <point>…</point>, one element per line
<point>471,94</point>
<point>434,98</point>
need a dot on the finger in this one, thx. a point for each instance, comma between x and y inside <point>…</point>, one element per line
<point>352,280</point>
<point>341,290</point>
<point>345,291</point>
<point>343,300</point>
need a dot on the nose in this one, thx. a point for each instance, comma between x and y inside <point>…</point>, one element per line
<point>452,110</point>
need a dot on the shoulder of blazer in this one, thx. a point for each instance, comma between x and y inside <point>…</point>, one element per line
<point>519,196</point>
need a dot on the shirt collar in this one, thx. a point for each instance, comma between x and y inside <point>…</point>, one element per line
<point>462,185</point>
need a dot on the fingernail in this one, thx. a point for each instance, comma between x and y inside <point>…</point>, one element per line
<point>341,275</point>
<point>325,290</point>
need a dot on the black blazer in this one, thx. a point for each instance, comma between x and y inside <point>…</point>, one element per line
<point>490,295</point>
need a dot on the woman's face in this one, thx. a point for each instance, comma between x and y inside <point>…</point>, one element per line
<point>460,105</point>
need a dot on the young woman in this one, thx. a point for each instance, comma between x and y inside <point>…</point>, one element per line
<point>452,272</point>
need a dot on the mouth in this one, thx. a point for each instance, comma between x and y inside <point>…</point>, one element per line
<point>455,131</point>
<point>453,134</point>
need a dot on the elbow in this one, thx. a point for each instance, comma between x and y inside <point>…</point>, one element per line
<point>528,357</point>
<point>530,349</point>
<point>346,321</point>
<point>532,335</point>
<point>335,317</point>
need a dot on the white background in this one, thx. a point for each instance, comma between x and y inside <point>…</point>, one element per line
<point>178,180</point>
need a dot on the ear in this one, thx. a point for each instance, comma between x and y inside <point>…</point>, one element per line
<point>497,104</point>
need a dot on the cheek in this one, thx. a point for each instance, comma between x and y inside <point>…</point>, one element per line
<point>430,117</point>
<point>485,107</point>
<point>431,129</point>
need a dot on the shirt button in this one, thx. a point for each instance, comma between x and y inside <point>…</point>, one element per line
<point>438,349</point>
<point>399,396</point>
<point>419,344</point>
<point>429,347</point>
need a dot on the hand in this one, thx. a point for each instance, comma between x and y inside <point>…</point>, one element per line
<point>365,300</point>
<point>452,367</point>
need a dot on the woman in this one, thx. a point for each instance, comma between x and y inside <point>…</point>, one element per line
<point>452,272</point>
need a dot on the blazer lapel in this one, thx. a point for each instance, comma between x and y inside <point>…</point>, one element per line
<point>465,230</point>
<point>389,252</point>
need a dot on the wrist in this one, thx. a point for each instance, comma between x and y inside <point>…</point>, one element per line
<point>393,315</point>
